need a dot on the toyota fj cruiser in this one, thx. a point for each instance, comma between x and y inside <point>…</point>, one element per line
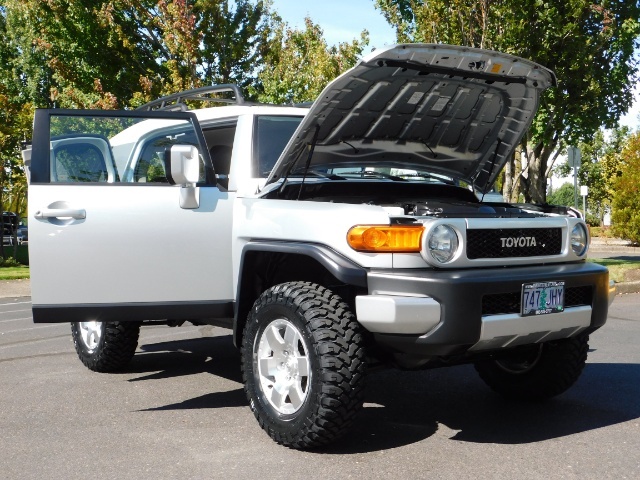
<point>326,237</point>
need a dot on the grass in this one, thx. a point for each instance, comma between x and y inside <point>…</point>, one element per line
<point>619,270</point>
<point>14,273</point>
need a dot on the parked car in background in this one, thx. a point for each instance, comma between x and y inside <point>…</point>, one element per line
<point>22,234</point>
<point>9,227</point>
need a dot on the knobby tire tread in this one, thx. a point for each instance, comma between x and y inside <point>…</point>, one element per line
<point>114,351</point>
<point>559,368</point>
<point>339,342</point>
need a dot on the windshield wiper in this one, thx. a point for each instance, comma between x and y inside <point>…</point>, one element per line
<point>318,173</point>
<point>446,181</point>
<point>373,173</point>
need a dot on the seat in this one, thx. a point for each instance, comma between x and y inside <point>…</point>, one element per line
<point>221,159</point>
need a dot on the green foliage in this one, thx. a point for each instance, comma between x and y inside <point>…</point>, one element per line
<point>9,262</point>
<point>119,53</point>
<point>588,43</point>
<point>301,63</point>
<point>236,37</point>
<point>625,213</point>
<point>562,196</point>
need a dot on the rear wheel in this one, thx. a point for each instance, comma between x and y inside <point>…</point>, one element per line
<point>303,364</point>
<point>105,346</point>
<point>538,373</point>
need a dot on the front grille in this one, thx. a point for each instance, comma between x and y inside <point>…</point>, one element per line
<point>504,303</point>
<point>513,242</point>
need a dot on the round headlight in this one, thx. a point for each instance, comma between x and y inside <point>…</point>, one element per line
<point>579,239</point>
<point>443,243</point>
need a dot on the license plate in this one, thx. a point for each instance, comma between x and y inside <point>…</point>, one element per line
<point>542,298</point>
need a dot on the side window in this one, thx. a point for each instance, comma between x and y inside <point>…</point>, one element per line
<point>150,166</point>
<point>271,135</point>
<point>116,147</point>
<point>82,158</point>
<point>81,162</point>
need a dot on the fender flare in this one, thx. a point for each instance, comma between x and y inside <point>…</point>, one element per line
<point>339,266</point>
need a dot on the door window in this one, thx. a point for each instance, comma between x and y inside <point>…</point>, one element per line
<point>95,147</point>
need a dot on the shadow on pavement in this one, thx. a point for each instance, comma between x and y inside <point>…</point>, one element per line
<point>402,408</point>
<point>454,402</point>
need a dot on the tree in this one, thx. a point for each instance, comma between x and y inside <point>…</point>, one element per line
<point>600,166</point>
<point>588,43</point>
<point>625,213</point>
<point>300,63</point>
<point>121,53</point>
<point>15,125</point>
<point>562,195</point>
<point>235,40</point>
<point>75,54</point>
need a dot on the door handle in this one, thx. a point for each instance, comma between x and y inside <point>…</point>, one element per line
<point>77,213</point>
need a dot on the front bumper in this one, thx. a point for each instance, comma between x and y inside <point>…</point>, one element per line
<point>438,312</point>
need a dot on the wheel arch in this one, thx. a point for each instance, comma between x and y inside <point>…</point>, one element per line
<point>265,264</point>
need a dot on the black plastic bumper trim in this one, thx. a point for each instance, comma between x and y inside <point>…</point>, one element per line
<point>460,294</point>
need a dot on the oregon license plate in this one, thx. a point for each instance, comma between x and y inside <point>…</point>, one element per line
<point>542,298</point>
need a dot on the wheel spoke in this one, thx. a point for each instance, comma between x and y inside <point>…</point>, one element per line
<point>268,366</point>
<point>273,337</point>
<point>278,397</point>
<point>291,337</point>
<point>296,395</point>
<point>90,333</point>
<point>303,366</point>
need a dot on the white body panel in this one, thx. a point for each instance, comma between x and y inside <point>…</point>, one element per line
<point>135,245</point>
<point>309,222</point>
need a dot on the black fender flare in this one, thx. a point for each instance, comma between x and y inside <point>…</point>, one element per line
<point>339,266</point>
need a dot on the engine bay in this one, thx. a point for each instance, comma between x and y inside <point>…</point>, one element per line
<point>416,199</point>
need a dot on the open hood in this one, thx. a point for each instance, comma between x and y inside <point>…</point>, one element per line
<point>455,111</point>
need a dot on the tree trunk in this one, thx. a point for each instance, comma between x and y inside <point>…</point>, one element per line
<point>512,173</point>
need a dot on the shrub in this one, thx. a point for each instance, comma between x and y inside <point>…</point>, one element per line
<point>625,208</point>
<point>9,262</point>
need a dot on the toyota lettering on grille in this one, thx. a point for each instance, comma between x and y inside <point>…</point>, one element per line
<point>518,242</point>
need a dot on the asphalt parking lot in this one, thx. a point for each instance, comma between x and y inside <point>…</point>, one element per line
<point>179,411</point>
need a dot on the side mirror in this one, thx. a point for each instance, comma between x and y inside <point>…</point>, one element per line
<point>184,169</point>
<point>184,164</point>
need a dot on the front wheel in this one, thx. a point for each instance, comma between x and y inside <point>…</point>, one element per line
<point>538,373</point>
<point>303,364</point>
<point>105,346</point>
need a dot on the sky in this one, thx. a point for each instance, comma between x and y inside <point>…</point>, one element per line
<point>343,20</point>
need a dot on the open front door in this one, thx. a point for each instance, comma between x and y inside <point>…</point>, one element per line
<point>112,237</point>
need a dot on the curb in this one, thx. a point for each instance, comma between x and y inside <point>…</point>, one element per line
<point>628,287</point>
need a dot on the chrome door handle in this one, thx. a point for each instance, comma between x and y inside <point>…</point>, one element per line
<point>77,213</point>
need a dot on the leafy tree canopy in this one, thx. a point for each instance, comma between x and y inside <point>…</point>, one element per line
<point>562,195</point>
<point>301,64</point>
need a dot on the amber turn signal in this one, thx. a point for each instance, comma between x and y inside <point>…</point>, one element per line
<point>386,238</point>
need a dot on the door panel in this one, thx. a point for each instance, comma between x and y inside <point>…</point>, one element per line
<point>103,235</point>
